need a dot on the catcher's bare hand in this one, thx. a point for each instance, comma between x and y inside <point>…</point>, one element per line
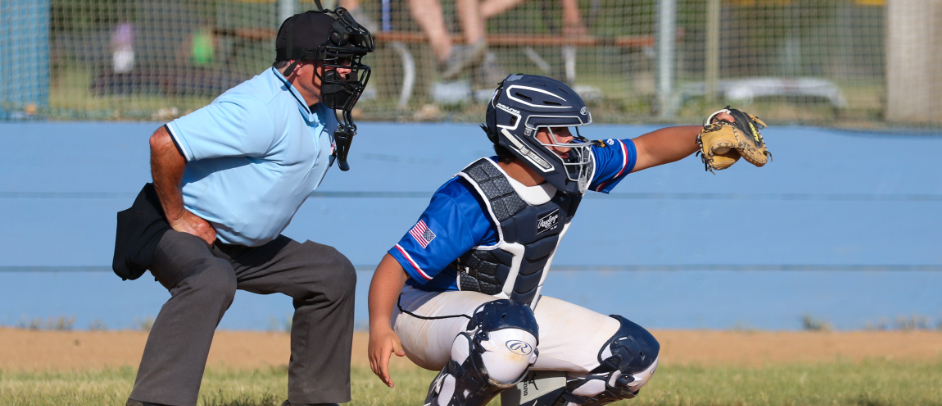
<point>192,224</point>
<point>730,134</point>
<point>383,342</point>
<point>723,116</point>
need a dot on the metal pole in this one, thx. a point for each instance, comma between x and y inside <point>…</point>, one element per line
<point>712,50</point>
<point>408,74</point>
<point>667,17</point>
<point>24,55</point>
<point>387,16</point>
<point>286,8</point>
<point>912,49</point>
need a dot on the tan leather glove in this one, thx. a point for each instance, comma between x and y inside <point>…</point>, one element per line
<point>722,142</point>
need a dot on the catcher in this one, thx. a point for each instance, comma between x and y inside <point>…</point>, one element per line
<point>460,292</point>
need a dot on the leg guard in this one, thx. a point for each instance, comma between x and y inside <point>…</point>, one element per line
<point>494,353</point>
<point>539,388</point>
<point>628,361</point>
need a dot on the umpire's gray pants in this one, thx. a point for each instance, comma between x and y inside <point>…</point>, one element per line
<point>202,281</point>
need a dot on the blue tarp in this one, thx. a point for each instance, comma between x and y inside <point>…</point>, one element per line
<point>841,225</point>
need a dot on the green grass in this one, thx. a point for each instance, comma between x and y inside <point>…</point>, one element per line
<point>871,383</point>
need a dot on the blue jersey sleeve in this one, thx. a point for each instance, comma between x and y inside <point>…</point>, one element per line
<point>225,127</point>
<point>613,161</point>
<point>453,223</point>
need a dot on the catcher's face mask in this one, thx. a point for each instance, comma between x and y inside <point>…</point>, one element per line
<point>573,152</point>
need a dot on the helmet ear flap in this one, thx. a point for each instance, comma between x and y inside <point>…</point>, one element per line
<point>490,128</point>
<point>491,135</point>
<point>500,88</point>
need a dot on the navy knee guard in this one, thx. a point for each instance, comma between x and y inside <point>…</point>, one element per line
<point>494,353</point>
<point>627,362</point>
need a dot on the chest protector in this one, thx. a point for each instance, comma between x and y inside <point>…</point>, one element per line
<point>528,235</point>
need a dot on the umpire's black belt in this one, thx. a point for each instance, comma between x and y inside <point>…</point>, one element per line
<point>231,249</point>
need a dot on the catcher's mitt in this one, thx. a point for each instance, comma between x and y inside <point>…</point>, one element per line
<point>722,142</point>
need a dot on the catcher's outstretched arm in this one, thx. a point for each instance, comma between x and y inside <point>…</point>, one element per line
<point>669,144</point>
<point>665,146</point>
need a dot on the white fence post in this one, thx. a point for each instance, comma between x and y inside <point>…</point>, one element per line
<point>666,38</point>
<point>912,61</point>
<point>286,8</point>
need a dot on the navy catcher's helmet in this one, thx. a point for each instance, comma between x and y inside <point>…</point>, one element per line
<point>520,107</point>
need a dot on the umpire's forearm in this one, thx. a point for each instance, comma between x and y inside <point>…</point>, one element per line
<point>167,166</point>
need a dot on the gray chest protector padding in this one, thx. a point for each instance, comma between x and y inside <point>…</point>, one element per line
<point>537,228</point>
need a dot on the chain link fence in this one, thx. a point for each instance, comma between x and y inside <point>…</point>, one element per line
<point>844,63</point>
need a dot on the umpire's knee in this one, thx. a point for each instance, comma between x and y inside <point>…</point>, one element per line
<point>343,276</point>
<point>214,283</point>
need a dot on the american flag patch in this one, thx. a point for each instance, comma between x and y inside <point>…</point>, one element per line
<point>422,234</point>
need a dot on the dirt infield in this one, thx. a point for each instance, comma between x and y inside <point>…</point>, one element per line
<point>26,350</point>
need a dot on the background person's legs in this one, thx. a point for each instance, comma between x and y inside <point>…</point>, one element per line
<point>353,6</point>
<point>490,8</point>
<point>472,25</point>
<point>572,19</point>
<point>430,17</point>
<point>202,288</point>
<point>452,60</point>
<point>322,282</point>
<point>572,16</point>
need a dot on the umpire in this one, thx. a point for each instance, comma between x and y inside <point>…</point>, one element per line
<point>227,180</point>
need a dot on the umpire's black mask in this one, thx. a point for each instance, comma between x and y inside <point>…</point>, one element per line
<point>336,41</point>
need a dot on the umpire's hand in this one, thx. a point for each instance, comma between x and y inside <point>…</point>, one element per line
<point>193,224</point>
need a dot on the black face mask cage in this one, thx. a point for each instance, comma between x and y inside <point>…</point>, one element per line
<point>341,93</point>
<point>347,43</point>
<point>337,91</point>
<point>346,31</point>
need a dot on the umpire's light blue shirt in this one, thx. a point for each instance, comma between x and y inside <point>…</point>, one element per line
<point>253,156</point>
